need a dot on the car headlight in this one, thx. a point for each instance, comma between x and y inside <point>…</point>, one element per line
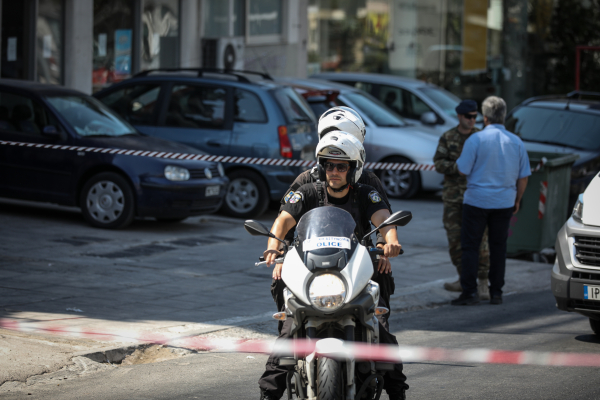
<point>578,209</point>
<point>221,169</point>
<point>174,173</point>
<point>327,292</point>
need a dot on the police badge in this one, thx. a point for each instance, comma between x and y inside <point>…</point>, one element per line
<point>296,198</point>
<point>287,196</point>
<point>374,196</point>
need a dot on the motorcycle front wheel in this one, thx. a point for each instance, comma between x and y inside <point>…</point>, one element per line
<point>330,381</point>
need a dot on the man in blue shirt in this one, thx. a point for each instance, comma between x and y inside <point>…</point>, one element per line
<point>496,165</point>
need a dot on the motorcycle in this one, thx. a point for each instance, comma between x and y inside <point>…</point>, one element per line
<point>331,298</point>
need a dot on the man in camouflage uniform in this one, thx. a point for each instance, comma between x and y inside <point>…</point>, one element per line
<point>449,149</point>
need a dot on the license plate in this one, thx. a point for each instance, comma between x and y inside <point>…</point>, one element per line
<point>212,191</point>
<point>591,292</point>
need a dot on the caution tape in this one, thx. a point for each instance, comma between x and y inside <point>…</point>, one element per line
<point>356,350</point>
<point>225,159</point>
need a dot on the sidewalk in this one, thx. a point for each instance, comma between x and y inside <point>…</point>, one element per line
<point>177,280</point>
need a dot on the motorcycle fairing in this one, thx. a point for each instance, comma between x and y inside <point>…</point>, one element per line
<point>295,275</point>
<point>358,272</point>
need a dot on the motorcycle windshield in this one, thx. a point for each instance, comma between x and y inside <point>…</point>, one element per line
<point>326,231</point>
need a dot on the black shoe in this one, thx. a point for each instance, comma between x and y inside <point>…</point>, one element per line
<point>466,300</point>
<point>264,395</point>
<point>496,299</point>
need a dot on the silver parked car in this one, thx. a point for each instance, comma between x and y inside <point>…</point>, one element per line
<point>416,101</point>
<point>576,272</point>
<point>388,139</point>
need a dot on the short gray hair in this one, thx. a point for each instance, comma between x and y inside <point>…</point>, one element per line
<point>494,108</point>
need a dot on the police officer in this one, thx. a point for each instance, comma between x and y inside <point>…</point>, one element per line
<point>341,158</point>
<point>347,120</point>
<point>449,149</point>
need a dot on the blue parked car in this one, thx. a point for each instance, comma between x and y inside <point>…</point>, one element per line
<point>58,145</point>
<point>227,113</point>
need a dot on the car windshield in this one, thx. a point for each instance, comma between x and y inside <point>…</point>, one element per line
<point>374,110</point>
<point>293,106</point>
<point>558,127</point>
<point>89,117</point>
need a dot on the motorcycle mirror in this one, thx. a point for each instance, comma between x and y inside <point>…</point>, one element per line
<point>399,218</point>
<point>255,228</point>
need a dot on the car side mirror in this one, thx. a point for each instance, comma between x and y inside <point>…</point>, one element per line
<point>50,131</point>
<point>429,118</point>
<point>255,228</point>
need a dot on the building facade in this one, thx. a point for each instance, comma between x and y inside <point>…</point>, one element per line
<point>89,44</point>
<point>474,48</point>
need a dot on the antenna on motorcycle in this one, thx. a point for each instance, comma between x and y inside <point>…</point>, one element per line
<point>255,228</point>
<point>399,218</point>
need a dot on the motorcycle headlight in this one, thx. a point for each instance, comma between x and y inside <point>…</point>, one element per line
<point>578,209</point>
<point>174,173</point>
<point>327,292</point>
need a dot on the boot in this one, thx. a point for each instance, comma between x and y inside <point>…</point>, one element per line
<point>397,395</point>
<point>483,289</point>
<point>453,286</point>
<point>264,395</point>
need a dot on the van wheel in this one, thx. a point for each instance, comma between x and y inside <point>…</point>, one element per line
<point>400,184</point>
<point>247,195</point>
<point>107,201</point>
<point>595,324</point>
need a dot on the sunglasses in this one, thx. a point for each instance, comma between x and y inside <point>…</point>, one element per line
<point>470,116</point>
<point>329,166</point>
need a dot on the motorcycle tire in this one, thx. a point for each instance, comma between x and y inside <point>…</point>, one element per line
<point>330,382</point>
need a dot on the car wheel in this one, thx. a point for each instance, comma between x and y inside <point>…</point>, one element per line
<point>595,324</point>
<point>400,184</point>
<point>247,195</point>
<point>107,201</point>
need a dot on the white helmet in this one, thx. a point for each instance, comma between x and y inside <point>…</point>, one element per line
<point>342,119</point>
<point>341,146</point>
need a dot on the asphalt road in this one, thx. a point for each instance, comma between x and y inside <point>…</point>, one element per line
<point>526,321</point>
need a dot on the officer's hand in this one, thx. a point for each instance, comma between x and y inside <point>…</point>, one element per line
<point>516,209</point>
<point>277,271</point>
<point>270,256</point>
<point>392,249</point>
<point>384,267</point>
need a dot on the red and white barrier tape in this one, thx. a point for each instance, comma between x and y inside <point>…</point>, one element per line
<point>542,203</point>
<point>540,165</point>
<point>357,350</point>
<point>224,159</point>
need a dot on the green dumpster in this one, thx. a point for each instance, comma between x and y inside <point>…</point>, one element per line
<point>544,206</point>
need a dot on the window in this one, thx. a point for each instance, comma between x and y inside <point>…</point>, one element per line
<point>293,106</point>
<point>113,39</point>
<point>23,115</point>
<point>134,103</point>
<point>89,117</point>
<point>220,21</point>
<point>415,107</point>
<point>393,98</point>
<point>265,17</point>
<point>196,107</point>
<point>373,110</point>
<point>160,34</point>
<point>49,45</point>
<point>248,107</point>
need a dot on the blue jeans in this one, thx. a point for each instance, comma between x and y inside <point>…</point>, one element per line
<point>474,221</point>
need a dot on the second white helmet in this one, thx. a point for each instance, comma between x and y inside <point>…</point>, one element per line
<point>342,119</point>
<point>342,146</point>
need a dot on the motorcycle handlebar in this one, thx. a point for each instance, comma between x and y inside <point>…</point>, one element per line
<point>277,261</point>
<point>380,252</point>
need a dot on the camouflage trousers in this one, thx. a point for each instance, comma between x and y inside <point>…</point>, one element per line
<point>452,224</point>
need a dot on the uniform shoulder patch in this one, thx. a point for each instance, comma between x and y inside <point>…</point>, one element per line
<point>288,196</point>
<point>374,196</point>
<point>298,196</point>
